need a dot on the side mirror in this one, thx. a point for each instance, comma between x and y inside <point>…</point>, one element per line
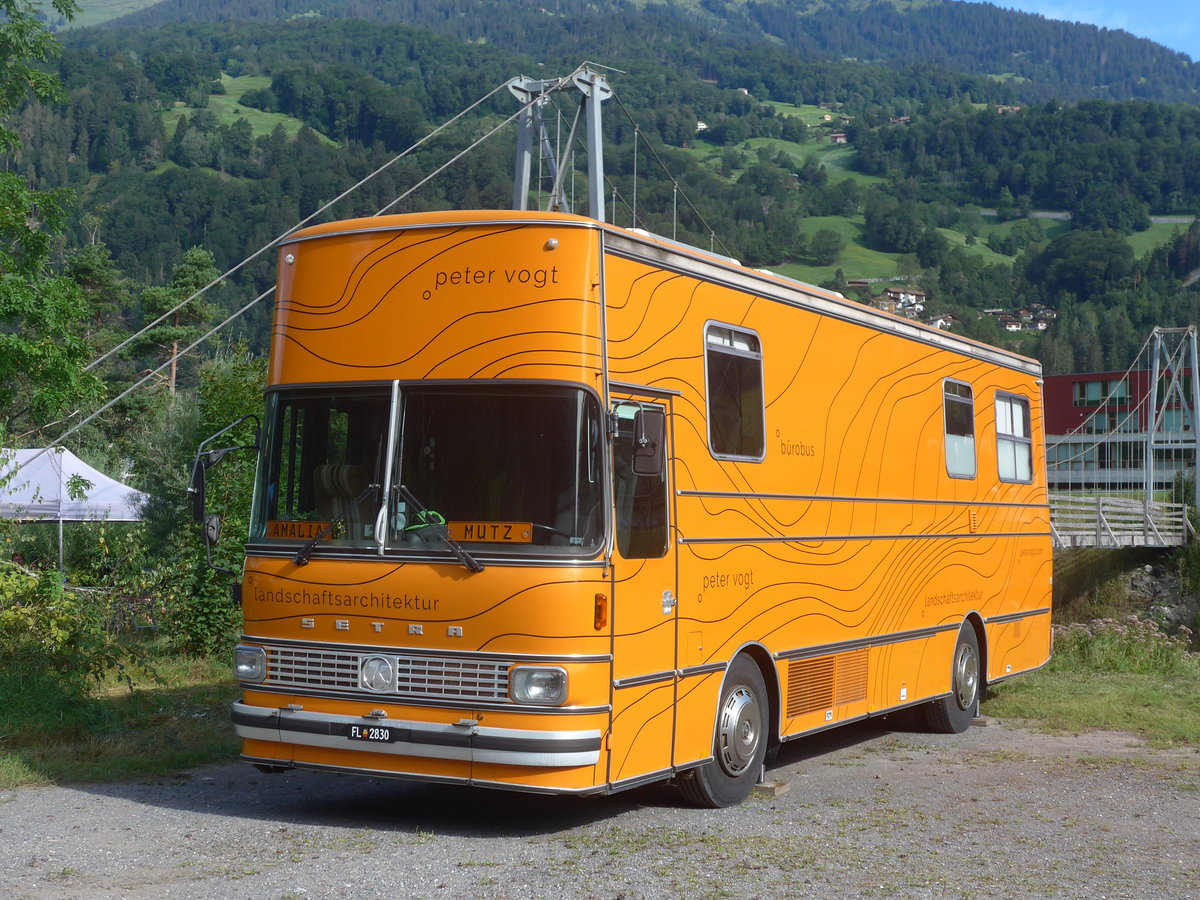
<point>196,489</point>
<point>210,525</point>
<point>210,533</point>
<point>212,530</point>
<point>649,441</point>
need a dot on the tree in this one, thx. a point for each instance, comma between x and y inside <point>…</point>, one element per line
<point>931,248</point>
<point>183,323</point>
<point>826,246</point>
<point>200,618</point>
<point>42,351</point>
<point>24,42</point>
<point>55,641</point>
<point>1082,263</point>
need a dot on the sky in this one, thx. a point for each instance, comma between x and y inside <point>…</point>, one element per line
<point>1173,23</point>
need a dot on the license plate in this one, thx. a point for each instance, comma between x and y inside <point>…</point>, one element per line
<point>375,734</point>
<point>492,532</point>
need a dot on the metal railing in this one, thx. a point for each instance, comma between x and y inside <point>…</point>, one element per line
<point>1100,521</point>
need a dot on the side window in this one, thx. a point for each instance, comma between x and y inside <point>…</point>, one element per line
<point>1014,446</point>
<point>959,403</point>
<point>733,361</point>
<point>641,500</point>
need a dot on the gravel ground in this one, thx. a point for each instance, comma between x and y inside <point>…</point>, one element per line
<point>868,811</point>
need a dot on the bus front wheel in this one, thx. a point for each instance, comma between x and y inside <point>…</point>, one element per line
<point>953,714</point>
<point>739,741</point>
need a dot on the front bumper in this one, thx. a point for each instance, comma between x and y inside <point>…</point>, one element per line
<point>466,741</point>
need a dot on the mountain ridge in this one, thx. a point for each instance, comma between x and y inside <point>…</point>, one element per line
<point>1045,59</point>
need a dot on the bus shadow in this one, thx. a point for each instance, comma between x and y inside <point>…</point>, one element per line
<point>300,797</point>
<point>846,738</point>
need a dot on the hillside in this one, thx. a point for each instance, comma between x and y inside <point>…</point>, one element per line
<point>1049,59</point>
<point>1040,58</point>
<point>225,133</point>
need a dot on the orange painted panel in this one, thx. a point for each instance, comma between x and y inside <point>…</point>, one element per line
<point>405,297</point>
<point>391,603</point>
<point>849,526</point>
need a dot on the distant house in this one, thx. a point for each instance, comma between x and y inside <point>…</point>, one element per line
<point>905,296</point>
<point>945,322</point>
<point>838,138</point>
<point>907,301</point>
<point>1034,317</point>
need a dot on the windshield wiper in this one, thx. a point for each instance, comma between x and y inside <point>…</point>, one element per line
<point>302,555</point>
<point>431,523</point>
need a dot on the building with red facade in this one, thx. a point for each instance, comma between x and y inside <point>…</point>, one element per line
<point>1100,426</point>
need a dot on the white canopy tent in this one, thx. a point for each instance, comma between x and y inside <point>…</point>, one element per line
<point>35,489</point>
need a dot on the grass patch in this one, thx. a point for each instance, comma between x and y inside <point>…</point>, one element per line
<point>855,261</point>
<point>1111,675</point>
<point>1155,236</point>
<point>228,109</point>
<point>96,12</point>
<point>52,736</point>
<point>958,239</point>
<point>1165,713</point>
<point>806,113</point>
<point>839,159</point>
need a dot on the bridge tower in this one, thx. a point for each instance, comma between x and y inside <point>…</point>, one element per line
<point>1173,421</point>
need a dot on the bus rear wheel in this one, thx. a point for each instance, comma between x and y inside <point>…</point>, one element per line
<point>953,714</point>
<point>739,742</point>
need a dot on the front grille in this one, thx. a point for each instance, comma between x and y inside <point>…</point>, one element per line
<point>418,677</point>
<point>312,668</point>
<point>451,678</point>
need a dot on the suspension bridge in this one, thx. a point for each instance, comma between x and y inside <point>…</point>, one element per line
<point>1124,462</point>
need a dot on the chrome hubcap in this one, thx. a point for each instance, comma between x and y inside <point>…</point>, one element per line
<point>966,676</point>
<point>740,730</point>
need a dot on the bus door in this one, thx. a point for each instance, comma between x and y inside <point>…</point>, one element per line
<point>643,591</point>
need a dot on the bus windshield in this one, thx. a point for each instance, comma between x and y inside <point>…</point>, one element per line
<point>497,468</point>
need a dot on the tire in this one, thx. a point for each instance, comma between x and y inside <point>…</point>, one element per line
<point>953,714</point>
<point>739,741</point>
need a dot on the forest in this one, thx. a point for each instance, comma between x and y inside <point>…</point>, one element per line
<point>1042,59</point>
<point>146,158</point>
<point>154,139</point>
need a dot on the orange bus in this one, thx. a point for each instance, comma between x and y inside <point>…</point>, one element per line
<point>551,505</point>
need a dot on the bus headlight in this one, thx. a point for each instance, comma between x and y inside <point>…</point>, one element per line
<point>544,685</point>
<point>250,664</point>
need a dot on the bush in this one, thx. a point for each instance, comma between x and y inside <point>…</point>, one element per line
<point>1132,645</point>
<point>261,98</point>
<point>47,630</point>
<point>202,618</point>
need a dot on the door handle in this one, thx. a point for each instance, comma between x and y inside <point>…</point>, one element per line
<point>669,602</point>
